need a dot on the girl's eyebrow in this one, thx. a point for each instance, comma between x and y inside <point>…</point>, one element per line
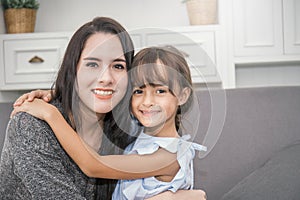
<point>151,85</point>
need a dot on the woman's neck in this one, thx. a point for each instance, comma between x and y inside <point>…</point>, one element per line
<point>90,127</point>
<point>92,135</point>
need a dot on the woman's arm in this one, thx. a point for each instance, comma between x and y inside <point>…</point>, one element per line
<point>161,163</point>
<point>31,160</point>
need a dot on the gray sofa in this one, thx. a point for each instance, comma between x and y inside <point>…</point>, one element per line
<point>256,154</point>
<point>261,125</point>
<point>5,110</point>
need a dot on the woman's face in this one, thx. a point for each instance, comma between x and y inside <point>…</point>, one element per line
<point>102,73</point>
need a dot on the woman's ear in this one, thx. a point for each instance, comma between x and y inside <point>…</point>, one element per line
<point>184,96</point>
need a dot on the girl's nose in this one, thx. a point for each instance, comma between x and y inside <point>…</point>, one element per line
<point>148,100</point>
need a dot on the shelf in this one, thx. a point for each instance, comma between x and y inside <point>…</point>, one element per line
<point>267,59</point>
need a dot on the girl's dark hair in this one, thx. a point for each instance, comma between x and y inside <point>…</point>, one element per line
<point>174,73</point>
<point>64,90</point>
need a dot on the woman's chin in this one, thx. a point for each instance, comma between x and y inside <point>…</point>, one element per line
<point>102,109</point>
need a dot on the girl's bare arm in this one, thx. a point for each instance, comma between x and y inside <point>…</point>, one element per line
<point>30,96</point>
<point>161,163</point>
<point>180,195</point>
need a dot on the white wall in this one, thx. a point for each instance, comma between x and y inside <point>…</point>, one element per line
<point>68,15</point>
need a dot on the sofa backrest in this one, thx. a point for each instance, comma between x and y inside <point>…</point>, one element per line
<point>258,123</point>
<point>5,110</point>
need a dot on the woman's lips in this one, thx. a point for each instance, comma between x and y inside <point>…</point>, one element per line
<point>103,93</point>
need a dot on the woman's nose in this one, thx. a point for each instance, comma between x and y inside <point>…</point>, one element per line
<point>105,76</point>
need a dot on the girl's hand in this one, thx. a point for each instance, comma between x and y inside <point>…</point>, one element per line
<point>36,107</point>
<point>181,195</point>
<point>41,94</point>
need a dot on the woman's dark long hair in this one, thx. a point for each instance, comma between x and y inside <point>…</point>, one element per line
<point>114,139</point>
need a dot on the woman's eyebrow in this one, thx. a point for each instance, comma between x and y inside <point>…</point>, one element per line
<point>97,59</point>
<point>91,58</point>
<point>119,60</point>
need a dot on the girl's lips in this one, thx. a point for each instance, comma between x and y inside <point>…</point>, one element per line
<point>149,113</point>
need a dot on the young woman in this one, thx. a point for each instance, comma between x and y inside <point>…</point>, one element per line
<point>161,92</point>
<point>33,163</point>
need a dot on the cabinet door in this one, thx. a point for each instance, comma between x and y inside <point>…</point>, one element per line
<point>32,63</point>
<point>199,48</point>
<point>291,21</point>
<point>257,27</point>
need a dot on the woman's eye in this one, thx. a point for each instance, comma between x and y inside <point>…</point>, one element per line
<point>119,66</point>
<point>91,64</point>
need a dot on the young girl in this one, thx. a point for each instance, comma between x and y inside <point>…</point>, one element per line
<point>161,91</point>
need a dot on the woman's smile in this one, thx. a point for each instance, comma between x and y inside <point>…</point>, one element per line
<point>103,93</point>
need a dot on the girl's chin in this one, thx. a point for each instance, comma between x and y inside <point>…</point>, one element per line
<point>152,124</point>
<point>153,127</point>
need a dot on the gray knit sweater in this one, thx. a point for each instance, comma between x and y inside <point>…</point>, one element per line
<point>35,166</point>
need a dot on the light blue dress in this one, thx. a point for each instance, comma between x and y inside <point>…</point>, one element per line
<point>147,187</point>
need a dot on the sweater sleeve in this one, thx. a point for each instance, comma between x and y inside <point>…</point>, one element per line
<point>39,160</point>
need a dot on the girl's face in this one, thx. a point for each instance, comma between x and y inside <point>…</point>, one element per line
<point>155,107</point>
<point>102,73</point>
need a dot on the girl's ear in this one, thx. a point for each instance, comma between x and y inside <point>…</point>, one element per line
<point>184,96</point>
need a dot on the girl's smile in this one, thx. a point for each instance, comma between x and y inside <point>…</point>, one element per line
<point>152,116</point>
<point>149,113</point>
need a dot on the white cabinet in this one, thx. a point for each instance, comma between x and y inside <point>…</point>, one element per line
<point>267,30</point>
<point>291,18</point>
<point>199,44</point>
<point>266,42</point>
<point>257,27</point>
<point>30,61</point>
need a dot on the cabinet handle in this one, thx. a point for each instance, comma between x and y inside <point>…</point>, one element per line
<point>36,59</point>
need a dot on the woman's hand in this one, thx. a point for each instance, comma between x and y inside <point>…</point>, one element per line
<point>36,107</point>
<point>180,195</point>
<point>30,96</point>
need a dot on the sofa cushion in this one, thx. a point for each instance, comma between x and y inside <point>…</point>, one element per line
<point>278,178</point>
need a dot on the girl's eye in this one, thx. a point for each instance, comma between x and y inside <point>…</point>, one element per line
<point>137,91</point>
<point>160,91</point>
<point>92,64</point>
<point>119,66</point>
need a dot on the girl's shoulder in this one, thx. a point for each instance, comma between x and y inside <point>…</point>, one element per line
<point>146,144</point>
